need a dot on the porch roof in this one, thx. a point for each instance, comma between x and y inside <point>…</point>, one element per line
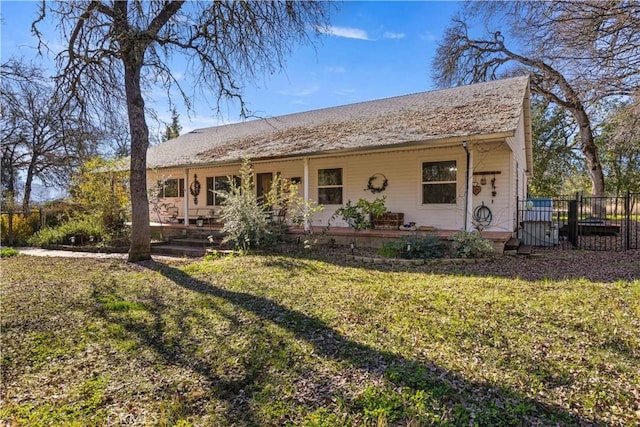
<point>465,112</point>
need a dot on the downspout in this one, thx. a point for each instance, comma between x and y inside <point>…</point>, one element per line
<point>305,191</point>
<point>466,185</point>
<point>186,197</point>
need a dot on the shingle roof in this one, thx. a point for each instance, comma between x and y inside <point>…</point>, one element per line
<point>480,109</point>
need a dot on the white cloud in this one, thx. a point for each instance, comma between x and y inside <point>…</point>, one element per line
<point>430,37</point>
<point>301,92</point>
<point>393,36</point>
<point>349,33</point>
<point>335,70</point>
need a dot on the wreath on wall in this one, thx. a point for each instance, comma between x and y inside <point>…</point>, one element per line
<point>377,183</point>
<point>194,189</point>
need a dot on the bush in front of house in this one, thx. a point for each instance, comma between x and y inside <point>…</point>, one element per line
<point>8,252</point>
<point>81,228</point>
<point>414,247</point>
<point>470,244</point>
<point>23,228</point>
<point>244,218</point>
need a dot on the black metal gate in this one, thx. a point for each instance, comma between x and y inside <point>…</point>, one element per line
<point>608,223</point>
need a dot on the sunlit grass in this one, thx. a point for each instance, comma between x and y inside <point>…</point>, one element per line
<point>275,340</point>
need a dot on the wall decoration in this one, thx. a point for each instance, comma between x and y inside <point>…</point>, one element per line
<point>476,188</point>
<point>194,189</point>
<point>377,183</point>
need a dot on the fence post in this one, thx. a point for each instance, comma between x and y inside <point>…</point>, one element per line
<point>627,221</point>
<point>573,222</point>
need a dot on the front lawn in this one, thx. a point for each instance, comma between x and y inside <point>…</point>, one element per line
<point>281,340</point>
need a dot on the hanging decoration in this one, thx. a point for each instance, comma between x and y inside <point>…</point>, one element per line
<point>194,189</point>
<point>476,188</point>
<point>377,183</point>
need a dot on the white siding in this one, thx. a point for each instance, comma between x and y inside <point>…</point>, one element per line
<point>403,169</point>
<point>494,157</point>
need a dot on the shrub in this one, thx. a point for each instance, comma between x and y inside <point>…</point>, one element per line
<point>414,247</point>
<point>470,244</point>
<point>23,228</point>
<point>8,252</point>
<point>361,215</point>
<point>244,218</point>
<point>80,228</point>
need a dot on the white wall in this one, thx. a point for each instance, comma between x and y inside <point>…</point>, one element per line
<point>403,169</point>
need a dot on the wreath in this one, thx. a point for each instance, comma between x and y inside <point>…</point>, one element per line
<point>194,189</point>
<point>376,177</point>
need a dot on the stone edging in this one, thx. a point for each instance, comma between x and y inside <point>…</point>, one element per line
<point>401,261</point>
<point>90,249</point>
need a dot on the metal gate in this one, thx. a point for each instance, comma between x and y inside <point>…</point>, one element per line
<point>608,223</point>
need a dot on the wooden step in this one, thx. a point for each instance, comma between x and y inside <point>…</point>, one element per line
<point>179,251</point>
<point>525,250</point>
<point>512,245</point>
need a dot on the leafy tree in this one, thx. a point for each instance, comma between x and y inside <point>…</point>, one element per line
<point>554,145</point>
<point>620,147</point>
<point>111,44</point>
<point>100,189</point>
<point>42,137</point>
<point>173,130</point>
<point>577,53</point>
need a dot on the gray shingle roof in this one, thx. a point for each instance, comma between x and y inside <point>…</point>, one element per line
<point>480,109</point>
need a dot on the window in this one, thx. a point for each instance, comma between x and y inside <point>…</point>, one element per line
<point>439,182</point>
<point>171,187</point>
<point>330,186</point>
<point>218,183</point>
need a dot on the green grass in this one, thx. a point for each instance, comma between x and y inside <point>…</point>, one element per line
<point>276,340</point>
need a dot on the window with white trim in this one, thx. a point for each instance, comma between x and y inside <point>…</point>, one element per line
<point>330,186</point>
<point>439,182</point>
<point>171,187</point>
<point>218,183</point>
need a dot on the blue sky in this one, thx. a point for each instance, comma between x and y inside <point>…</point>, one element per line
<point>372,50</point>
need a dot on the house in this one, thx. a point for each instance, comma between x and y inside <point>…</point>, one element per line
<point>451,159</point>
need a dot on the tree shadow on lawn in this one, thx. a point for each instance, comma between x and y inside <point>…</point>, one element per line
<point>460,401</point>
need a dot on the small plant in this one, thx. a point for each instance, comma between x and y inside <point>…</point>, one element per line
<point>8,252</point>
<point>361,215</point>
<point>470,244</point>
<point>414,247</point>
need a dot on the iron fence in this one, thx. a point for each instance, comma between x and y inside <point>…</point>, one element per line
<point>607,223</point>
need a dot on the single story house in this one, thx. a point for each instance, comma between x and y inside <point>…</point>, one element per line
<point>451,159</point>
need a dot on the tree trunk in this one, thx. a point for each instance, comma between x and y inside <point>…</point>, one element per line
<point>26,210</point>
<point>140,248</point>
<point>590,151</point>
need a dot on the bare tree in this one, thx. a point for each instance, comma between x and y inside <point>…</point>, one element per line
<point>131,43</point>
<point>577,53</point>
<point>42,137</point>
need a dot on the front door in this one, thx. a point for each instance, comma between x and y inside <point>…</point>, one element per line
<point>263,185</point>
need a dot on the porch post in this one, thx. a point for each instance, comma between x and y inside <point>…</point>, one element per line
<point>469,225</point>
<point>468,195</point>
<point>305,186</point>
<point>186,197</point>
